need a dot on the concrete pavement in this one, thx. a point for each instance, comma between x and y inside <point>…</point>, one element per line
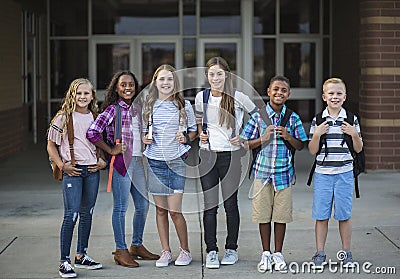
<point>31,212</point>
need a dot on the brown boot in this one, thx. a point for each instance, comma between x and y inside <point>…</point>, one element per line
<point>140,252</point>
<point>123,258</point>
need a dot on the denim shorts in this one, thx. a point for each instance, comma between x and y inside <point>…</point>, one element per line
<point>166,177</point>
<point>336,189</point>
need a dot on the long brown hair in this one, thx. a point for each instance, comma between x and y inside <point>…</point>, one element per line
<point>227,106</point>
<point>69,101</point>
<point>153,94</point>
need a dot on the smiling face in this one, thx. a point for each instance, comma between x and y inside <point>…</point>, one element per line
<point>126,88</point>
<point>334,95</point>
<point>216,77</point>
<point>165,83</point>
<point>83,97</point>
<point>278,92</point>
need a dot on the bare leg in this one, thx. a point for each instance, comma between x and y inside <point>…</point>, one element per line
<point>321,231</point>
<point>175,210</point>
<point>162,221</point>
<point>265,233</point>
<point>345,230</point>
<point>279,235</point>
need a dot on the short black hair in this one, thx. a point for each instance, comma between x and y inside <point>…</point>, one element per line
<point>280,78</point>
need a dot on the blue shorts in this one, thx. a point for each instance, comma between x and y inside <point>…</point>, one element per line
<point>166,177</point>
<point>336,189</point>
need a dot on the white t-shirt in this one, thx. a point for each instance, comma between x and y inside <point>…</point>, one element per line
<point>137,141</point>
<point>219,135</point>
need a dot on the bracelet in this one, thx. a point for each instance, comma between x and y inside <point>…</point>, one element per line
<point>187,138</point>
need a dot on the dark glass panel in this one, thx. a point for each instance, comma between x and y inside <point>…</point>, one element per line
<point>136,17</point>
<point>263,64</point>
<point>68,61</point>
<point>301,16</point>
<point>219,17</point>
<point>264,17</point>
<point>69,18</point>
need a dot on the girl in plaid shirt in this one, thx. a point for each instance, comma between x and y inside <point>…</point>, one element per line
<point>129,177</point>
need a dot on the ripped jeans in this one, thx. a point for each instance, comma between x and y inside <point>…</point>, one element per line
<point>79,194</point>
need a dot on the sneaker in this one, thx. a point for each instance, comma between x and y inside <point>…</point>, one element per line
<point>66,271</point>
<point>230,257</point>
<point>212,260</point>
<point>318,261</point>
<point>165,259</point>
<point>278,261</point>
<point>184,258</point>
<point>348,261</point>
<point>266,262</point>
<point>87,262</point>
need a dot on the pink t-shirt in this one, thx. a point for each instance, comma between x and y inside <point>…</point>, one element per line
<point>84,150</point>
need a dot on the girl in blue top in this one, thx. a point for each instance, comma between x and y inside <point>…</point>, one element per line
<point>170,128</point>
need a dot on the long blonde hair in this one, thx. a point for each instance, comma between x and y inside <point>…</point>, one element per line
<point>227,106</point>
<point>153,95</point>
<point>69,101</point>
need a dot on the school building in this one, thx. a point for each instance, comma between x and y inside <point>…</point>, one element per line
<point>45,44</point>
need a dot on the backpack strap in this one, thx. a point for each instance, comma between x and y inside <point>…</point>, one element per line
<point>349,141</point>
<point>117,139</point>
<point>70,132</point>
<point>206,96</point>
<point>118,124</point>
<point>284,121</point>
<point>322,141</point>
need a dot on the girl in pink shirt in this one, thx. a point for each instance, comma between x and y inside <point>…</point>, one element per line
<point>80,182</point>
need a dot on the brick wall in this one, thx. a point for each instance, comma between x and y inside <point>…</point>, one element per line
<point>380,83</point>
<point>13,135</point>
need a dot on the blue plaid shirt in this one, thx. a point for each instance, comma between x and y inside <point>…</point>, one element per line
<point>273,162</point>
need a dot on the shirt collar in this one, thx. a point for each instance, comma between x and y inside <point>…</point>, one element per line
<point>272,113</point>
<point>123,104</point>
<point>342,113</point>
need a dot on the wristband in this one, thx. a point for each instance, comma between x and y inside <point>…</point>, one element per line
<point>187,138</point>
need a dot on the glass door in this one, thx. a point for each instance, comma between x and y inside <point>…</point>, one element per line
<point>228,48</point>
<point>154,53</point>
<point>301,62</point>
<point>142,57</point>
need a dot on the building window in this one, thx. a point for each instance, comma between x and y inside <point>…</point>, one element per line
<point>219,17</point>
<point>264,17</point>
<point>136,17</point>
<point>69,18</point>
<point>301,16</point>
<point>68,60</point>
<point>263,63</point>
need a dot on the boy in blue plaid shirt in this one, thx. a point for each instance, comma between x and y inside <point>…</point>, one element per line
<point>273,170</point>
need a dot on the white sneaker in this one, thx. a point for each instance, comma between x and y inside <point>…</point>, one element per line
<point>266,262</point>
<point>230,257</point>
<point>279,261</point>
<point>165,259</point>
<point>184,258</point>
<point>212,260</point>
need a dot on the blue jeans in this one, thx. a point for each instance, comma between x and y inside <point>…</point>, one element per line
<point>134,182</point>
<point>80,194</point>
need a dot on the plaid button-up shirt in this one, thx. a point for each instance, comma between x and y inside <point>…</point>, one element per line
<point>273,162</point>
<point>106,121</point>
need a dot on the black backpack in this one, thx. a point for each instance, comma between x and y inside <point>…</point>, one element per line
<point>358,158</point>
<point>284,121</point>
